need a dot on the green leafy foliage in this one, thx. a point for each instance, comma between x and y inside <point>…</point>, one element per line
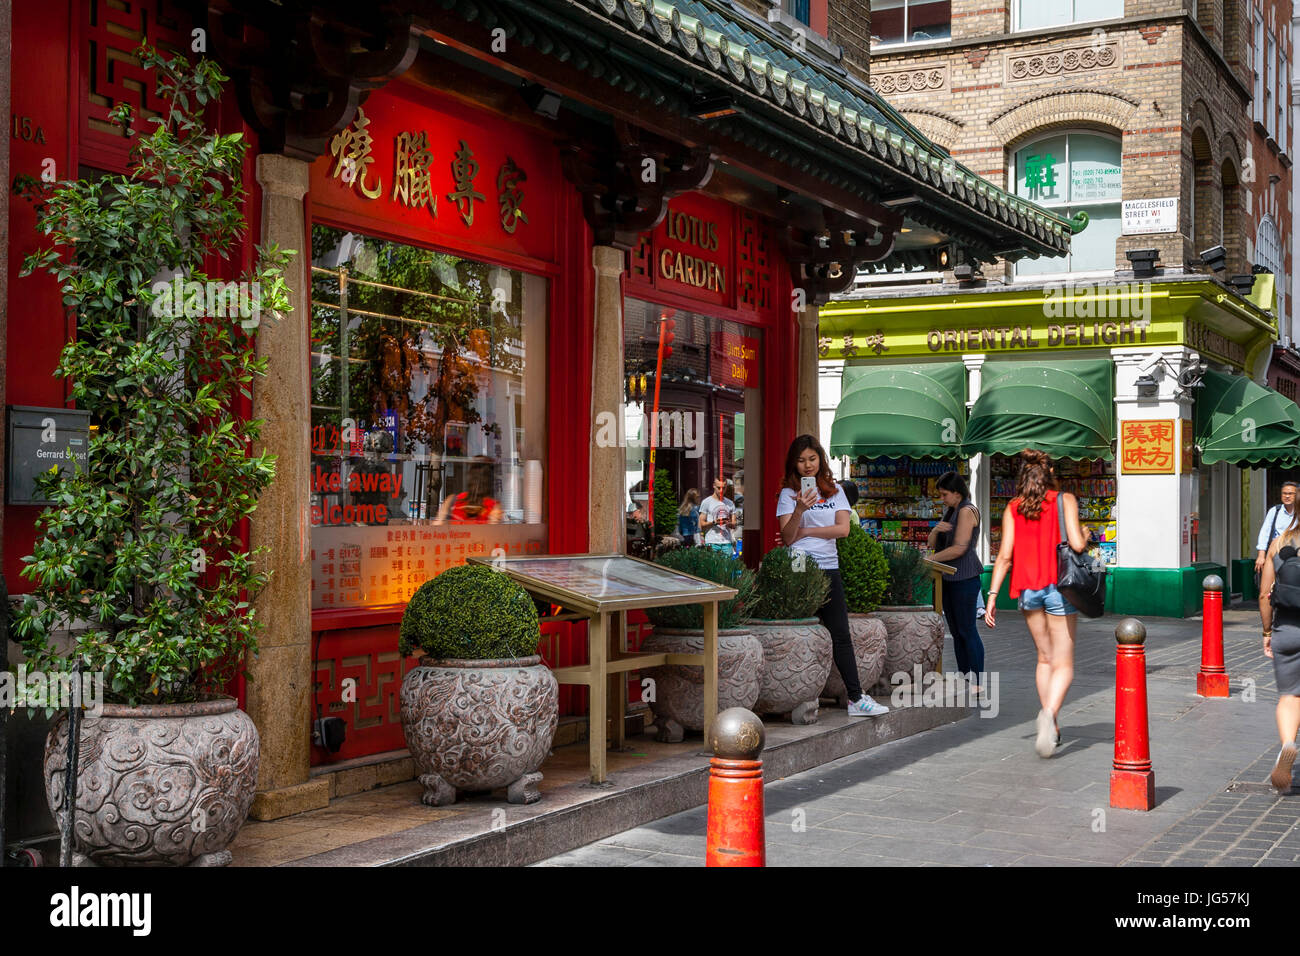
<point>140,556</point>
<point>712,566</point>
<point>790,586</point>
<point>863,568</point>
<point>909,581</point>
<point>470,612</point>
<point>665,503</point>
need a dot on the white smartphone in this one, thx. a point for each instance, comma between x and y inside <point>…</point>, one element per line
<point>807,483</point>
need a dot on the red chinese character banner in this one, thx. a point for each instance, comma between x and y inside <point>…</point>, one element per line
<point>1147,447</point>
<point>443,170</point>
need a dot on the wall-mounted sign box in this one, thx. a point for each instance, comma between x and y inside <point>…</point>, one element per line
<point>41,440</point>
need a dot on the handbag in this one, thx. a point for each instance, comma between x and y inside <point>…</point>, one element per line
<point>1081,578</point>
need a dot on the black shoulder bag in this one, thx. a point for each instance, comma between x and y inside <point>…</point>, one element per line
<point>1080,577</point>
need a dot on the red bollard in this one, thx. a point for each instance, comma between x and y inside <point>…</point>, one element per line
<point>735,829</point>
<point>1132,781</point>
<point>1212,679</point>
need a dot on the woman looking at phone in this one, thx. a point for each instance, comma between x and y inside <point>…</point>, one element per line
<point>811,515</point>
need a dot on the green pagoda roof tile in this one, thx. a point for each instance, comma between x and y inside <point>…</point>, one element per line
<point>742,51</point>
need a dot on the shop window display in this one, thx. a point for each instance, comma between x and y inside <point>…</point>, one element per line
<point>428,416</point>
<point>898,498</point>
<point>708,422</point>
<point>1092,482</point>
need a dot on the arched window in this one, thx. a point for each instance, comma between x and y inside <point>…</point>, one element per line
<point>1067,173</point>
<point>1268,253</point>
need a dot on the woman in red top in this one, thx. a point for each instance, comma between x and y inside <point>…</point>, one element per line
<point>1030,534</point>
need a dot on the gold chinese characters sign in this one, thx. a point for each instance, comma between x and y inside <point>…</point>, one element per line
<point>1148,447</point>
<point>434,165</point>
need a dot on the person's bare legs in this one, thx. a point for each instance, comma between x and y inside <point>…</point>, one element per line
<point>1061,629</point>
<point>1288,717</point>
<point>1037,622</point>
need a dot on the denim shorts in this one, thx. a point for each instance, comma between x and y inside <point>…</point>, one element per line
<point>1046,599</point>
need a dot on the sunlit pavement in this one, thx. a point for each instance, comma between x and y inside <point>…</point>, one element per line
<point>975,793</point>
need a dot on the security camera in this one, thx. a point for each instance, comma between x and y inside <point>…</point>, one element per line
<point>1192,376</point>
<point>1151,366</point>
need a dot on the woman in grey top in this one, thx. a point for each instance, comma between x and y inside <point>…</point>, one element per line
<point>953,540</point>
<point>1282,643</point>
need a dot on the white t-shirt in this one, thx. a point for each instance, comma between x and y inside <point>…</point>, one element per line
<point>713,509</point>
<point>820,515</point>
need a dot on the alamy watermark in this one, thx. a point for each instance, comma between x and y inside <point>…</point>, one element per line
<point>1105,299</point>
<point>221,300</point>
<point>670,429</point>
<point>933,689</point>
<point>38,690</point>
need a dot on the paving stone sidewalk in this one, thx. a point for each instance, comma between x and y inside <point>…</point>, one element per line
<point>974,793</point>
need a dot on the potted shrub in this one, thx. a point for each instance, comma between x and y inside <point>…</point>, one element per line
<point>914,632</point>
<point>678,701</point>
<point>480,711</point>
<point>139,574</point>
<point>865,572</point>
<point>796,648</point>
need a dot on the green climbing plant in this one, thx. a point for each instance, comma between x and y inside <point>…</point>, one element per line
<point>139,558</point>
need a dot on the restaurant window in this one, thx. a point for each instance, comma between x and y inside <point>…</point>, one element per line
<point>428,416</point>
<point>1036,14</point>
<point>910,21</point>
<point>1068,173</point>
<point>709,421</point>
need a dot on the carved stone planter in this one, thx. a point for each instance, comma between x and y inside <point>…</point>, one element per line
<point>479,725</point>
<point>157,785</point>
<point>869,644</point>
<point>796,663</point>
<point>679,688</point>
<point>914,635</point>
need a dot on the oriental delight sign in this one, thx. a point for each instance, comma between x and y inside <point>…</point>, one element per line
<point>1148,447</point>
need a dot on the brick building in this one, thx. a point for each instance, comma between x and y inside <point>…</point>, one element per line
<point>1169,129</point>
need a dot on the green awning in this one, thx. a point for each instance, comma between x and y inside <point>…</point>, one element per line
<point>1066,409</point>
<point>1244,423</point>
<point>901,411</point>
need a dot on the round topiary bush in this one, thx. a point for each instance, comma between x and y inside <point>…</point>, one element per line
<point>863,568</point>
<point>470,612</point>
<point>790,586</point>
<point>712,566</point>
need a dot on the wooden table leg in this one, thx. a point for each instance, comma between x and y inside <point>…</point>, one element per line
<point>710,667</point>
<point>598,709</point>
<point>938,609</point>
<point>619,688</point>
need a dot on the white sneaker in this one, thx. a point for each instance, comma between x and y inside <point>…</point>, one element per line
<point>1045,743</point>
<point>866,707</point>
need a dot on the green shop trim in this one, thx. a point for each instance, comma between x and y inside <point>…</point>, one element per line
<point>1025,320</point>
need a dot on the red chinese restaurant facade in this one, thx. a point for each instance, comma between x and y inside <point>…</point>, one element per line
<point>494,249</point>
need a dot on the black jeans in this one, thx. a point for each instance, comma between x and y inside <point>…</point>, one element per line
<point>959,608</point>
<point>834,615</point>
